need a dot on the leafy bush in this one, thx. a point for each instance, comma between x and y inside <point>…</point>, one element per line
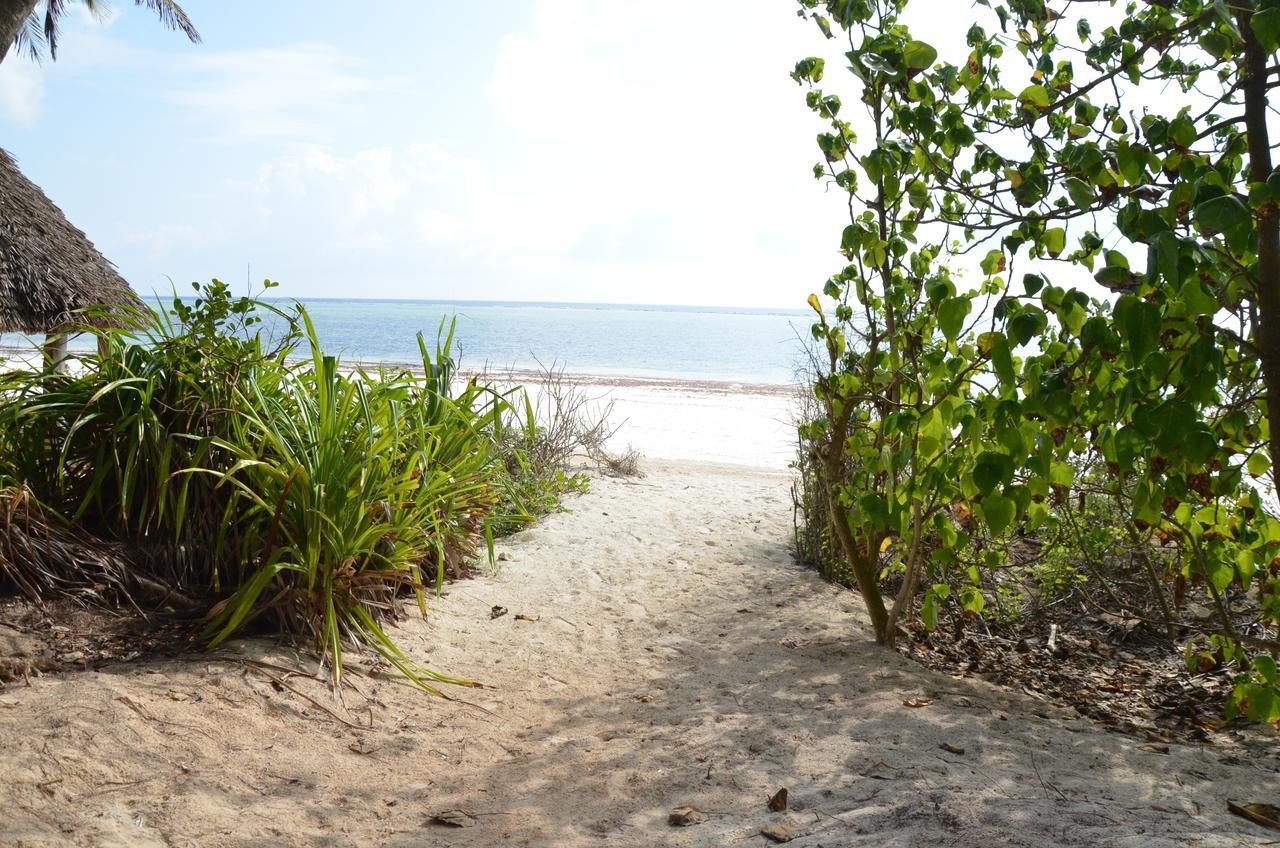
<point>958,415</point>
<point>292,494</point>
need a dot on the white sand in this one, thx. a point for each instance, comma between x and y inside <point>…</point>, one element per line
<point>705,422</point>
<point>679,657</point>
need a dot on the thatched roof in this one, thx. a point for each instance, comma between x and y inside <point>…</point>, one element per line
<point>48,269</point>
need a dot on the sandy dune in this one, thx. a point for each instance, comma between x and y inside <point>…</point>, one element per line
<point>678,656</point>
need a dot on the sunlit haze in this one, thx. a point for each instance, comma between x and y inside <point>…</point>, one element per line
<point>625,151</point>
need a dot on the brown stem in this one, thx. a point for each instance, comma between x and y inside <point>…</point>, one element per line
<point>1267,291</point>
<point>902,603</point>
<point>1140,550</point>
<point>863,569</point>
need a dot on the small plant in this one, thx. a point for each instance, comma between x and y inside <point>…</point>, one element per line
<point>552,427</point>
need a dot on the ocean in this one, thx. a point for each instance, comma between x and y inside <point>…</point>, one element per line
<point>664,342</point>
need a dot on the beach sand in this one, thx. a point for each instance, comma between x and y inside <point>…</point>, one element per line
<point>728,423</point>
<point>659,648</point>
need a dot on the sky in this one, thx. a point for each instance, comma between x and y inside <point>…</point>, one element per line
<point>619,151</point>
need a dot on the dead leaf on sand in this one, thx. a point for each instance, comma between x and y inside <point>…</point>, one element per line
<point>685,815</point>
<point>1266,815</point>
<point>497,612</point>
<point>881,771</point>
<point>778,801</point>
<point>781,832</point>
<point>454,818</point>
<point>360,746</point>
<point>523,617</point>
<point>917,702</point>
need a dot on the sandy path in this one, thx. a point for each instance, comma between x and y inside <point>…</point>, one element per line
<point>680,658</point>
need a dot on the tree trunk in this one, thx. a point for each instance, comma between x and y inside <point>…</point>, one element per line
<point>864,570</point>
<point>1267,295</point>
<point>910,582</point>
<point>55,348</point>
<point>13,15</point>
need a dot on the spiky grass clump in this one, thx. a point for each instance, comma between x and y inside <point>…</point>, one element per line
<point>290,494</point>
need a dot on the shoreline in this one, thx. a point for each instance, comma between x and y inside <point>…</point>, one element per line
<point>522,376</point>
<point>735,423</point>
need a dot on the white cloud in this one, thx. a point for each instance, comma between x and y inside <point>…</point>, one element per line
<point>21,90</point>
<point>648,151</point>
<point>169,240</point>
<point>367,200</point>
<point>673,144</point>
<point>291,93</point>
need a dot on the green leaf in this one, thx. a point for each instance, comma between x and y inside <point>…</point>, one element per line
<point>1002,359</point>
<point>1130,159</point>
<point>1165,248</point>
<point>1266,28</point>
<point>809,69</point>
<point>1198,301</point>
<point>1221,214</point>
<point>1258,464</point>
<point>971,600</point>
<point>1220,574</point>
<point>1037,514</point>
<point>1265,667</point>
<point>1025,326</point>
<point>1055,241</point>
<point>951,315</point>
<point>929,612</point>
<point>991,470</point>
<point>1216,44</point>
<point>1139,325</point>
<point>1036,96</point>
<point>987,342</point>
<point>1182,132</point>
<point>919,55</point>
<point>1080,192</point>
<point>998,512</point>
<point>1245,565</point>
<point>918,194</point>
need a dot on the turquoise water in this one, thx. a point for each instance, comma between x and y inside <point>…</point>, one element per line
<point>691,343</point>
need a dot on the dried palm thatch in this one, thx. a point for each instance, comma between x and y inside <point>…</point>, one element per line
<point>50,273</point>
<point>43,557</point>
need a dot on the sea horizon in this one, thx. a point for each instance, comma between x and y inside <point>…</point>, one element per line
<point>546,304</point>
<point>710,344</point>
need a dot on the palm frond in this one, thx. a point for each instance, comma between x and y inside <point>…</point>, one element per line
<point>173,17</point>
<point>30,38</point>
<point>41,30</point>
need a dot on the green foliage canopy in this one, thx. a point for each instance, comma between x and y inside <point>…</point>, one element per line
<point>953,409</point>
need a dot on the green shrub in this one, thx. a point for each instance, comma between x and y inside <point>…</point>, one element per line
<point>292,494</point>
